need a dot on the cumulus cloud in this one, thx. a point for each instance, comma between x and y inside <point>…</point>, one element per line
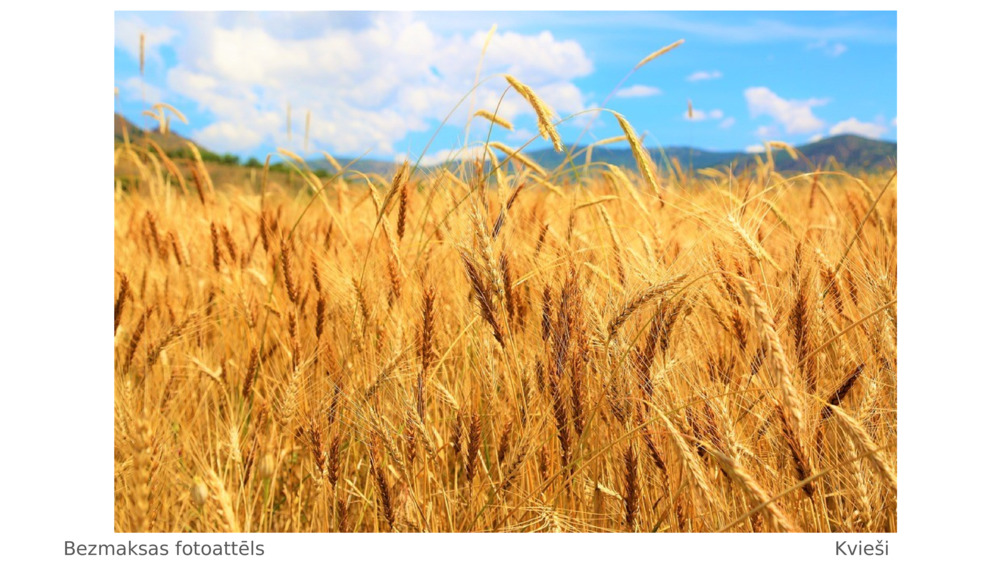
<point>638,91</point>
<point>134,89</point>
<point>856,127</point>
<point>445,155</point>
<point>770,132</point>
<point>231,137</point>
<point>829,49</point>
<point>127,31</point>
<point>367,84</point>
<point>794,116</point>
<point>701,115</point>
<point>766,30</point>
<point>704,75</point>
<point>754,149</point>
<point>532,58</point>
<point>727,123</point>
<point>520,136</point>
<point>816,137</point>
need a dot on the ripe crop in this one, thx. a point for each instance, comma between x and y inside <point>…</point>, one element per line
<point>491,345</point>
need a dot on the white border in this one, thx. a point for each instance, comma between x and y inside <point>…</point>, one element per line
<point>57,257</point>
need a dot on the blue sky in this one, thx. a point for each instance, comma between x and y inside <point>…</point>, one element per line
<point>381,83</point>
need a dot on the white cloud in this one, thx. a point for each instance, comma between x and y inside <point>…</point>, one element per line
<point>228,137</point>
<point>563,96</point>
<point>128,29</point>
<point>520,136</point>
<point>638,91</point>
<point>367,84</point>
<point>816,137</point>
<point>532,58</point>
<point>754,29</point>
<point>767,132</point>
<point>445,155</point>
<point>753,149</point>
<point>704,75</point>
<point>727,123</point>
<point>134,89</point>
<point>855,127</point>
<point>701,115</point>
<point>893,121</point>
<point>795,116</point>
<point>829,49</point>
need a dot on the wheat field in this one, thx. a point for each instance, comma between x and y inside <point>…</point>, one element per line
<point>494,346</point>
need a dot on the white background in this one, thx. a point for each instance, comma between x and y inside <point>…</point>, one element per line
<point>56,232</point>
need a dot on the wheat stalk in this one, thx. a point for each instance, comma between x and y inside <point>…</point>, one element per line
<point>863,441</point>
<point>657,53</point>
<point>545,113</point>
<point>494,118</point>
<point>638,300</point>
<point>642,158</point>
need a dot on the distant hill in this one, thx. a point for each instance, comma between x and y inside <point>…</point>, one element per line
<point>850,151</point>
<point>363,165</point>
<point>170,142</point>
<point>622,157</point>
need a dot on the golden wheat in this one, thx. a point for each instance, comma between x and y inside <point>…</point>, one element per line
<point>527,354</point>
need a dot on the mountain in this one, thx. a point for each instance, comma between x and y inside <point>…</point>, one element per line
<point>851,152</point>
<point>171,142</point>
<point>384,168</point>
<point>622,157</point>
